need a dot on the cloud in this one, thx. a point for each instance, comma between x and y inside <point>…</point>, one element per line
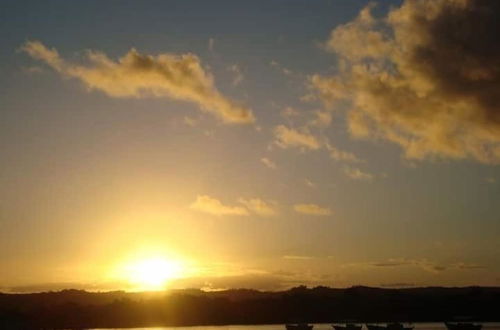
<point>465,266</point>
<point>58,286</point>
<point>356,174</point>
<point>258,280</point>
<point>322,119</point>
<point>285,136</point>
<point>289,112</point>
<point>312,209</point>
<point>271,281</point>
<point>309,183</point>
<point>269,163</point>
<point>238,75</point>
<point>190,121</point>
<point>426,265</point>
<point>296,257</point>
<point>259,207</point>
<point>341,155</point>
<point>32,69</point>
<point>491,180</point>
<point>265,282</point>
<point>425,77</point>
<point>180,77</point>
<point>211,44</point>
<point>213,206</point>
<point>288,137</point>
<point>398,285</point>
<point>207,204</point>
<point>285,71</point>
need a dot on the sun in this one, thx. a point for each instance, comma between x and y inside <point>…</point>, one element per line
<point>153,273</point>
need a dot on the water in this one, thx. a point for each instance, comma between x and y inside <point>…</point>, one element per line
<point>418,326</point>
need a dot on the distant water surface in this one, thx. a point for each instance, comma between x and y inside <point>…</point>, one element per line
<point>418,326</point>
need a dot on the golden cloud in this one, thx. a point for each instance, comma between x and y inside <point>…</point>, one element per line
<point>213,206</point>
<point>288,137</point>
<point>341,155</point>
<point>259,207</point>
<point>207,204</point>
<point>323,119</point>
<point>269,163</point>
<point>356,174</point>
<point>312,209</point>
<point>425,77</point>
<point>180,77</point>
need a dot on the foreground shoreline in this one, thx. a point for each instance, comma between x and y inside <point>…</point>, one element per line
<point>321,305</point>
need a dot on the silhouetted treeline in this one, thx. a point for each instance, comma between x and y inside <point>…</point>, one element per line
<point>81,309</point>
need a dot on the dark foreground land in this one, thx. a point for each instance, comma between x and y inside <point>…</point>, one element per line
<point>81,309</point>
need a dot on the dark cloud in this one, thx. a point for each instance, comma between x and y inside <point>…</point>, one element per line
<point>265,281</point>
<point>390,264</point>
<point>468,266</point>
<point>57,286</point>
<point>398,285</point>
<point>426,265</point>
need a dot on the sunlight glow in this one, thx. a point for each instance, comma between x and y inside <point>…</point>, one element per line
<point>153,273</point>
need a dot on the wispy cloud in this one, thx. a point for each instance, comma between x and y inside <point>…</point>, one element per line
<point>356,174</point>
<point>491,180</point>
<point>259,207</point>
<point>341,155</point>
<point>211,44</point>
<point>32,69</point>
<point>213,206</point>
<point>282,69</point>
<point>289,112</point>
<point>465,266</point>
<point>180,77</point>
<point>190,121</point>
<point>312,209</point>
<point>288,137</point>
<point>237,74</point>
<point>269,163</point>
<point>425,264</point>
<point>321,119</point>
<point>309,183</point>
<point>297,257</point>
<point>398,285</point>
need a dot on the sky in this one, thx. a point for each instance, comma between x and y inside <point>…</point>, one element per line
<point>262,144</point>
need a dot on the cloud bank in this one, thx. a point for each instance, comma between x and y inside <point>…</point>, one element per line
<point>426,77</point>
<point>179,77</point>
<point>426,265</point>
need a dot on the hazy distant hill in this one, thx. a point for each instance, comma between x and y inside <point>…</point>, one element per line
<point>80,309</point>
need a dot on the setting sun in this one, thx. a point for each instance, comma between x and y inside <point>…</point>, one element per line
<point>153,273</point>
<point>226,163</point>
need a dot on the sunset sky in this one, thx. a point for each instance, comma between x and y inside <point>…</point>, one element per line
<point>259,144</point>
